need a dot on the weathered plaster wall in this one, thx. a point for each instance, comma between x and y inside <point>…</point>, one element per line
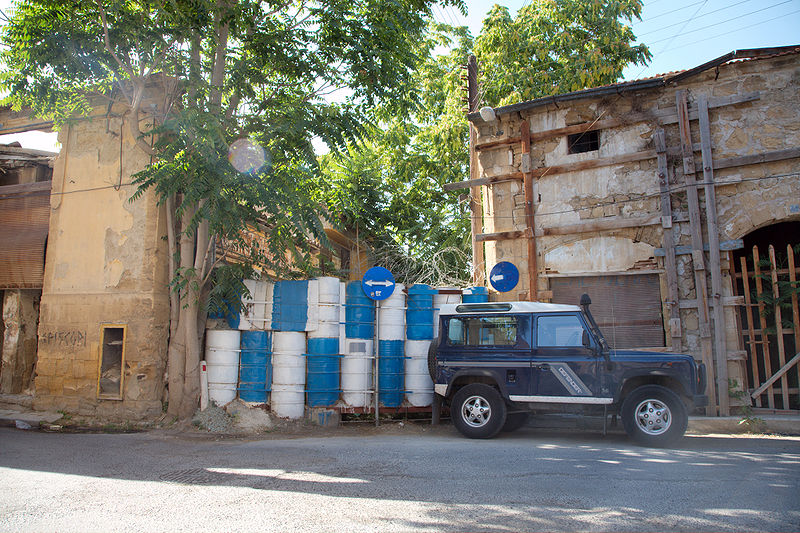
<point>754,196</point>
<point>106,264</point>
<point>20,318</point>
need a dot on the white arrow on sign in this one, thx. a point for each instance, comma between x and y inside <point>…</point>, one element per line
<point>497,277</point>
<point>385,283</point>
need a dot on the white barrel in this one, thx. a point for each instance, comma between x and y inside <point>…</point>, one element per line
<point>393,316</point>
<point>328,309</point>
<point>288,374</point>
<point>256,311</point>
<point>418,383</point>
<point>357,372</point>
<point>438,301</point>
<point>222,361</point>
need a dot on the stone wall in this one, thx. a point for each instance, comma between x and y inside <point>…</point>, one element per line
<point>106,264</point>
<point>18,335</point>
<point>753,195</point>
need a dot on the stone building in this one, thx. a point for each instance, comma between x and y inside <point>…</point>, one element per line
<point>84,271</point>
<point>607,191</point>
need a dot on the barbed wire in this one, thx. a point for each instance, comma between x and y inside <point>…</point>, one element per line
<point>436,270</point>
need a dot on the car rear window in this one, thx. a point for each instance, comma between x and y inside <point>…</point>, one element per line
<point>482,331</point>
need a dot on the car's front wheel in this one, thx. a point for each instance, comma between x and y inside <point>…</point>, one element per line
<point>654,416</point>
<point>478,411</point>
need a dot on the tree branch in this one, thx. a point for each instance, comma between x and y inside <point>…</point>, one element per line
<point>124,65</point>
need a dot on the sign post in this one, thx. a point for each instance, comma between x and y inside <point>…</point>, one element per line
<point>377,284</point>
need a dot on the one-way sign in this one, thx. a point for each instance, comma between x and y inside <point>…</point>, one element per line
<point>377,283</point>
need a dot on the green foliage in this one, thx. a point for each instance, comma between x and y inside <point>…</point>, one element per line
<point>786,290</point>
<point>556,46</point>
<point>391,186</point>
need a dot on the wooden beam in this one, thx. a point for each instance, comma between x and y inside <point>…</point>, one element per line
<point>533,267</point>
<point>715,261</point>
<point>778,323</point>
<point>726,301</point>
<point>763,323</point>
<point>662,116</point>
<point>724,246</point>
<point>765,157</point>
<point>24,189</point>
<point>601,224</point>
<point>501,236</point>
<point>778,375</point>
<point>698,260</point>
<point>668,241</point>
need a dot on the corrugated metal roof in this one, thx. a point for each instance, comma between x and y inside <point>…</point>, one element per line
<point>750,54</point>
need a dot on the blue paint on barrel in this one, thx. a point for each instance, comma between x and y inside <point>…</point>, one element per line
<point>419,313</point>
<point>391,373</point>
<point>322,367</point>
<point>290,306</point>
<point>359,313</point>
<point>255,366</point>
<point>475,295</point>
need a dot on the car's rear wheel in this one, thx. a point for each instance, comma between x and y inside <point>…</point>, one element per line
<point>654,416</point>
<point>478,411</point>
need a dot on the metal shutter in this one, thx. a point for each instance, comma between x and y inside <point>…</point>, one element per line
<point>627,308</point>
<point>24,224</point>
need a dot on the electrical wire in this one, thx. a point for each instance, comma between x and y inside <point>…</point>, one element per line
<point>701,16</point>
<point>670,12</point>
<point>751,25</point>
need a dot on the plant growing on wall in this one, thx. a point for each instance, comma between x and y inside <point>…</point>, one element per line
<point>246,85</point>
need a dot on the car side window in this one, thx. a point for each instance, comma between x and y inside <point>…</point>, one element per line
<point>483,331</point>
<point>559,331</point>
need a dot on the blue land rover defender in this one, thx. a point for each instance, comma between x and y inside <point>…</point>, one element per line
<point>494,363</point>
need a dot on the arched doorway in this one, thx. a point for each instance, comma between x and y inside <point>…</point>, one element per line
<point>766,274</point>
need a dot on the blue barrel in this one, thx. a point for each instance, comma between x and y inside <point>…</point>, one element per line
<point>391,373</point>
<point>419,313</point>
<point>322,364</point>
<point>255,366</point>
<point>475,295</point>
<point>290,306</point>
<point>359,313</point>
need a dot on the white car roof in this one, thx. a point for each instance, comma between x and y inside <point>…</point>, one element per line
<point>515,307</point>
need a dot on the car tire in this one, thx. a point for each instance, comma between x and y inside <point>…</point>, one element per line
<point>478,411</point>
<point>514,421</point>
<point>432,359</point>
<point>654,416</point>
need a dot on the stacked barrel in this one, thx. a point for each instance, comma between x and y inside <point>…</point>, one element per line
<point>323,347</point>
<point>419,334</point>
<point>358,347</point>
<point>391,335</point>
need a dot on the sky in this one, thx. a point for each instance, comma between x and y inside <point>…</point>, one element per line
<point>681,34</point>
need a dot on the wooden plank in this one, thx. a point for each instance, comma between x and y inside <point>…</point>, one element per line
<point>714,258</point>
<point>663,116</point>
<point>668,242</point>
<point>763,322</point>
<point>751,340</point>
<point>698,261</point>
<point>726,301</point>
<point>533,267</point>
<point>724,246</point>
<point>764,157</point>
<point>601,224</point>
<point>501,236</point>
<point>795,312</point>
<point>41,187</point>
<point>778,325</point>
<point>780,374</point>
<point>555,169</point>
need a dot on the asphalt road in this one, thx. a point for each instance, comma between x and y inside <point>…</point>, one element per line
<point>398,479</point>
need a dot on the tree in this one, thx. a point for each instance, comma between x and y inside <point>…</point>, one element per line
<point>246,82</point>
<point>550,47</point>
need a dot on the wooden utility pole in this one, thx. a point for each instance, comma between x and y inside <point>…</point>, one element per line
<point>475,202</point>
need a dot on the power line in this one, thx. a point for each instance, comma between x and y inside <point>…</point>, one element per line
<point>737,30</point>
<point>701,16</point>
<point>728,20</point>
<point>667,12</point>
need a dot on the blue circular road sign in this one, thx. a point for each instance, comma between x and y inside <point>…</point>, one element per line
<point>504,276</point>
<point>377,283</point>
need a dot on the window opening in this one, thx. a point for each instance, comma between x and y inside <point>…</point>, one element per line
<point>588,141</point>
<point>112,359</point>
<point>482,331</point>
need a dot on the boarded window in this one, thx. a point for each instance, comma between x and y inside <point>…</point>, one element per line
<point>626,307</point>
